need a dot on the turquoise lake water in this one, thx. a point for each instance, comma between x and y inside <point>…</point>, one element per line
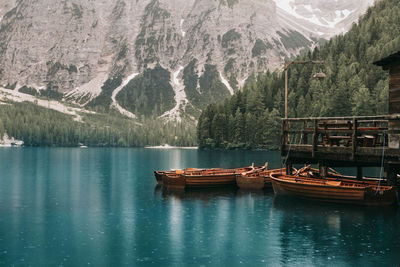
<point>101,207</point>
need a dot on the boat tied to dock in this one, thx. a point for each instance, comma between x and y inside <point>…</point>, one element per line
<point>334,190</point>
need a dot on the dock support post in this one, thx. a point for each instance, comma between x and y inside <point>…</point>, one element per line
<point>315,138</point>
<point>323,170</point>
<point>354,139</point>
<point>305,136</point>
<point>289,167</point>
<point>359,173</point>
<point>392,175</point>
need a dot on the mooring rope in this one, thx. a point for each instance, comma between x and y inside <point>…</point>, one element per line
<point>382,162</point>
<point>301,139</point>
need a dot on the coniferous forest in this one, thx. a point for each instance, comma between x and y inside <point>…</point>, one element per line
<point>38,126</point>
<point>353,86</point>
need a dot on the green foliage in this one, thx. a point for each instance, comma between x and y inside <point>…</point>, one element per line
<point>229,37</point>
<point>76,11</point>
<point>229,65</point>
<point>293,40</point>
<point>122,52</point>
<point>2,130</point>
<point>11,86</point>
<point>205,89</point>
<point>28,90</point>
<point>230,3</point>
<point>190,80</point>
<point>103,101</point>
<point>38,126</point>
<point>53,68</point>
<point>150,38</point>
<point>51,93</point>
<point>259,48</point>
<point>353,86</point>
<point>72,69</point>
<point>148,94</point>
<point>211,87</point>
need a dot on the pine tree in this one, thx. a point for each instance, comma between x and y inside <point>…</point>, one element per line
<point>362,102</point>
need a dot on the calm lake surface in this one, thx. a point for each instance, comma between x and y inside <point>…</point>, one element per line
<point>101,207</point>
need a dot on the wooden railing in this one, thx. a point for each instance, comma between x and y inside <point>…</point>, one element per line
<point>346,132</point>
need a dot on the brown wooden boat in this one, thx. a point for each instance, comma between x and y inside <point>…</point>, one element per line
<point>159,174</point>
<point>333,191</point>
<point>256,179</point>
<point>197,178</point>
<point>333,175</point>
<point>213,178</point>
<point>174,179</point>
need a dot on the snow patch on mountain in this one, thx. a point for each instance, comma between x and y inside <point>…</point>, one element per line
<point>91,89</point>
<point>292,8</point>
<point>226,83</point>
<point>117,90</point>
<point>181,26</point>
<point>180,98</point>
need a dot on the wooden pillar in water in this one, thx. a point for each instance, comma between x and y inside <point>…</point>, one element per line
<point>392,172</point>
<point>305,136</point>
<point>289,167</point>
<point>323,170</point>
<point>359,173</point>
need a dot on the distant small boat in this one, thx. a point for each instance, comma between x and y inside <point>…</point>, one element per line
<point>355,192</point>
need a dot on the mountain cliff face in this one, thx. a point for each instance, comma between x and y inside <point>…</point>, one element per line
<point>166,58</point>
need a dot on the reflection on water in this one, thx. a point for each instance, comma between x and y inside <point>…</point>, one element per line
<point>102,207</point>
<point>353,233</point>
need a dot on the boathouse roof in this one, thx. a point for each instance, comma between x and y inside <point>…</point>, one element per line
<point>393,59</point>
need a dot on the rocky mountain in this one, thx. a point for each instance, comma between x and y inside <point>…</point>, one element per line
<point>163,58</point>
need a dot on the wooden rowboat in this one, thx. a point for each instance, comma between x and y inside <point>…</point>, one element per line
<point>159,174</point>
<point>196,178</point>
<point>257,179</point>
<point>333,191</point>
<point>213,178</point>
<point>173,180</point>
<point>309,172</point>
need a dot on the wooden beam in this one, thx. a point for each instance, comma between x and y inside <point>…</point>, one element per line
<point>315,138</point>
<point>354,139</point>
<point>359,173</point>
<point>381,117</point>
<point>323,170</point>
<point>304,133</point>
<point>283,137</point>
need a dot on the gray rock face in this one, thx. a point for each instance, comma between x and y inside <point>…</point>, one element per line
<point>74,46</point>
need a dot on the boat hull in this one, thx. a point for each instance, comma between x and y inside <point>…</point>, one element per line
<point>375,196</point>
<point>159,175</point>
<point>173,180</point>
<point>334,191</point>
<point>250,182</point>
<point>256,180</point>
<point>197,181</point>
<point>197,178</point>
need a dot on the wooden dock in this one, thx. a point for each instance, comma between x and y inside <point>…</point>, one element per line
<point>362,141</point>
<point>342,142</point>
